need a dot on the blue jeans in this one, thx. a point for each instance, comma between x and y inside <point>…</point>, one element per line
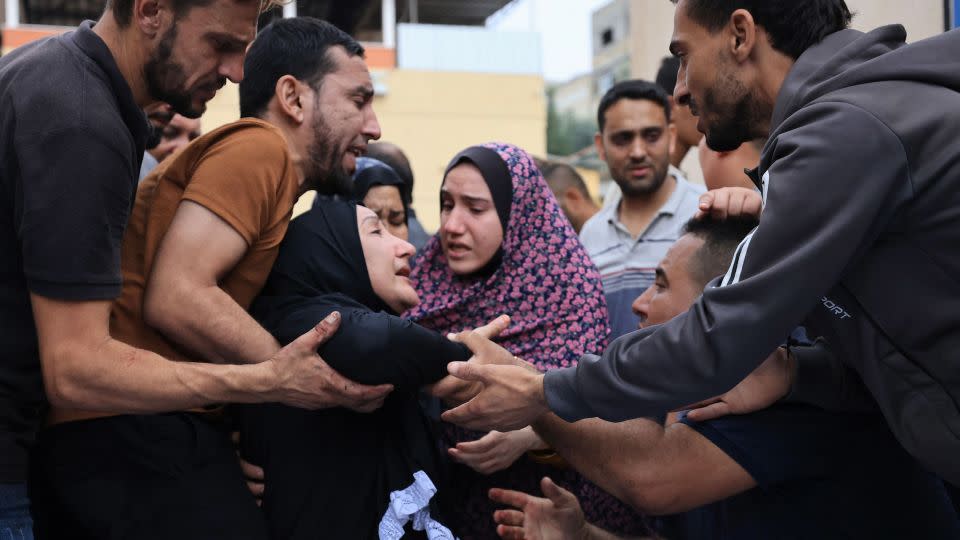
<point>15,521</point>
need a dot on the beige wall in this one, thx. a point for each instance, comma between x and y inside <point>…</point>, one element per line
<point>434,115</point>
<point>921,18</point>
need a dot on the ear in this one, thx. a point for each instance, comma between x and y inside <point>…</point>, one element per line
<point>150,16</point>
<point>289,93</point>
<point>572,194</point>
<point>743,38</point>
<point>598,142</point>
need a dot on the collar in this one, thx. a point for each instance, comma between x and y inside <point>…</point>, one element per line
<point>94,48</point>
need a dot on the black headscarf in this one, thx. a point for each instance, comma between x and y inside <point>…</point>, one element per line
<point>321,254</point>
<point>373,172</point>
<point>497,177</point>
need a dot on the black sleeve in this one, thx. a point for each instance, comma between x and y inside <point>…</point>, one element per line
<point>77,190</point>
<point>376,348</point>
<point>823,380</point>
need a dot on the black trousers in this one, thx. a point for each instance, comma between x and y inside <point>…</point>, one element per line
<point>141,477</point>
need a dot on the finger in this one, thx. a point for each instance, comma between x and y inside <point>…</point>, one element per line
<point>510,533</point>
<point>699,404</point>
<point>468,371</point>
<point>706,203</point>
<point>753,205</point>
<point>721,408</point>
<point>483,444</point>
<point>480,345</point>
<point>509,517</point>
<point>370,406</point>
<point>318,334</point>
<point>251,471</point>
<point>720,202</point>
<point>464,415</point>
<point>559,496</point>
<point>517,499</point>
<point>256,488</point>
<point>493,328</point>
<point>735,207</point>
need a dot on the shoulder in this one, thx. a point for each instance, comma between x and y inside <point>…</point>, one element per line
<point>597,227</point>
<point>254,142</point>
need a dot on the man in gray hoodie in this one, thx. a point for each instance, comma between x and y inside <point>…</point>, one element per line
<point>861,185</point>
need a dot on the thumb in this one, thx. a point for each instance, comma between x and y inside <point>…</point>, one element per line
<point>320,333</point>
<point>715,410</point>
<point>706,201</point>
<point>559,496</point>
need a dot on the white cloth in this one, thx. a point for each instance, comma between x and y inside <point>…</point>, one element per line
<point>413,502</point>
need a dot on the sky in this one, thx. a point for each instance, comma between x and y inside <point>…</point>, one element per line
<point>564,27</point>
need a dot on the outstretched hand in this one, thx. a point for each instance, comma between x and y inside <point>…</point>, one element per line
<point>454,391</point>
<point>765,386</point>
<point>729,202</point>
<point>512,396</point>
<point>558,517</point>
<point>304,380</point>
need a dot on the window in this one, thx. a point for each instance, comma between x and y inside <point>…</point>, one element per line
<point>606,38</point>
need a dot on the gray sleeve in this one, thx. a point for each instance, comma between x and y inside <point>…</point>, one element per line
<point>835,173</point>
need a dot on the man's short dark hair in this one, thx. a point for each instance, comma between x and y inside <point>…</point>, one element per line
<point>793,25</point>
<point>720,240</point>
<point>393,156</point>
<point>633,89</point>
<point>560,176</point>
<point>667,74</point>
<point>299,47</point>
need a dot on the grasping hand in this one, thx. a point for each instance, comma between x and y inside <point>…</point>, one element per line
<point>765,386</point>
<point>454,391</point>
<point>729,202</point>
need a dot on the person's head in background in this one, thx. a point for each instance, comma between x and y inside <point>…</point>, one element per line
<point>703,253</point>
<point>734,57</point>
<point>187,48</point>
<point>393,156</point>
<point>475,200</point>
<point>687,134</point>
<point>725,169</point>
<point>176,134</point>
<point>377,186</point>
<point>635,137</point>
<point>308,78</point>
<point>571,192</point>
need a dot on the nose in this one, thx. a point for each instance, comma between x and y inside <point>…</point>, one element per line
<point>371,126</point>
<point>232,67</point>
<point>638,149</point>
<point>680,93</point>
<point>453,223</point>
<point>405,249</point>
<point>641,306</point>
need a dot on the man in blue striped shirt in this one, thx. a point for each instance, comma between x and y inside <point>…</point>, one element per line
<point>627,239</point>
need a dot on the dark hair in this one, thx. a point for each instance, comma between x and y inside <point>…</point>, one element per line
<point>667,74</point>
<point>299,47</point>
<point>793,25</point>
<point>393,156</point>
<point>568,177</point>
<point>633,89</point>
<point>720,240</point>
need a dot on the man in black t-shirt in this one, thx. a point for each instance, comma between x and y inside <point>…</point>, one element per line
<point>790,471</point>
<point>72,135</point>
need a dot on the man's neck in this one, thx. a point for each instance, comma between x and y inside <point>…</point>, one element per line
<point>124,48</point>
<point>638,211</point>
<point>679,152</point>
<point>298,152</point>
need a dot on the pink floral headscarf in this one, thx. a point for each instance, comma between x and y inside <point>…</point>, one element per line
<point>546,281</point>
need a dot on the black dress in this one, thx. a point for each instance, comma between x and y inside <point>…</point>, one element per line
<point>329,473</point>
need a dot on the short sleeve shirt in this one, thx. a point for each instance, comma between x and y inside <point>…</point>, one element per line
<point>821,474</point>
<point>71,140</point>
<point>627,265</point>
<point>243,173</point>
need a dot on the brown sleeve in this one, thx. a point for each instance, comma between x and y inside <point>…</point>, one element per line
<point>242,178</point>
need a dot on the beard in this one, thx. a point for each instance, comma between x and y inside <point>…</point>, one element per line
<point>640,189</point>
<point>327,174</point>
<point>166,79</point>
<point>737,112</point>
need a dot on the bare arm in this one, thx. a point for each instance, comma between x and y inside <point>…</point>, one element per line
<point>183,298</point>
<point>655,469</point>
<point>84,368</point>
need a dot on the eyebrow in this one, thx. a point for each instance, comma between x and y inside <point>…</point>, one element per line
<point>365,91</point>
<point>375,219</point>
<point>470,199</point>
<point>233,42</point>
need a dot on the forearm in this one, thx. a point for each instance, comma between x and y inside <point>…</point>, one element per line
<point>608,454</point>
<point>210,324</point>
<point>115,377</point>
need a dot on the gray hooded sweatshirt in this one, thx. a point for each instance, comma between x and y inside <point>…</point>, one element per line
<point>859,242</point>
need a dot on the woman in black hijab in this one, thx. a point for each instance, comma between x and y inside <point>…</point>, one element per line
<point>378,187</point>
<point>330,473</point>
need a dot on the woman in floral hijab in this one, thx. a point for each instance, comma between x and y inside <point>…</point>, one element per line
<point>504,246</point>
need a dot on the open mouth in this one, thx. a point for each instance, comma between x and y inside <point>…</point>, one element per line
<point>404,272</point>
